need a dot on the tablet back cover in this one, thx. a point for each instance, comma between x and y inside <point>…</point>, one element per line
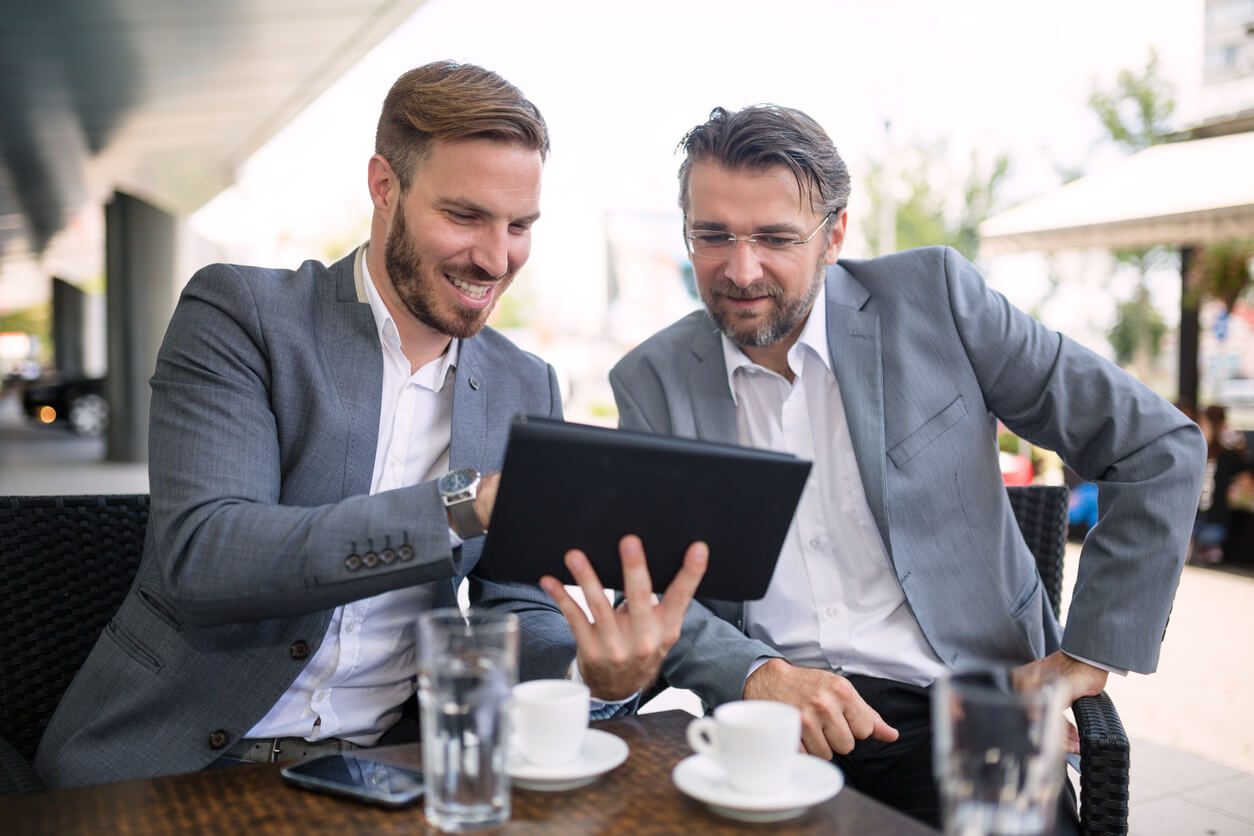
<point>566,486</point>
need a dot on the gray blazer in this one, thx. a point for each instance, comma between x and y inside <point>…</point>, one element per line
<point>927,358</point>
<point>265,416</point>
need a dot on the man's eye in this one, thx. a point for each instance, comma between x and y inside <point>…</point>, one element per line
<point>711,239</point>
<point>776,241</point>
<point>461,217</point>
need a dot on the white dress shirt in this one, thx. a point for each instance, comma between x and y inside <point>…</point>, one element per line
<point>365,669</point>
<point>834,601</point>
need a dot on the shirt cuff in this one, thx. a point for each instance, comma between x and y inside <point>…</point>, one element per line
<point>1107,668</point>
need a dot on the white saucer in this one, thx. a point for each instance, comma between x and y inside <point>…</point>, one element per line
<point>601,752</point>
<point>813,781</point>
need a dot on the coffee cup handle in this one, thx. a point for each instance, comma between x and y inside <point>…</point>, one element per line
<point>703,735</point>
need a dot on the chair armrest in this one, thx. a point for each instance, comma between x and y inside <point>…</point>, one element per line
<point>16,773</point>
<point>1104,759</point>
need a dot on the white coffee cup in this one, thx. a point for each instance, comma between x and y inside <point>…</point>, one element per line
<point>550,718</point>
<point>755,741</point>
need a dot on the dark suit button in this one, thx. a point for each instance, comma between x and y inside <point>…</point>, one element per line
<point>352,562</point>
<point>405,552</point>
<point>218,739</point>
<point>299,649</point>
<point>388,555</point>
<point>370,560</point>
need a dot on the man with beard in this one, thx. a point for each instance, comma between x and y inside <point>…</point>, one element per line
<point>904,560</point>
<point>316,438</point>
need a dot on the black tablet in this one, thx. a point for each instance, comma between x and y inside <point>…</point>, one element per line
<point>567,486</point>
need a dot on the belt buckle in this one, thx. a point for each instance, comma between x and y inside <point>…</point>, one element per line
<point>274,750</point>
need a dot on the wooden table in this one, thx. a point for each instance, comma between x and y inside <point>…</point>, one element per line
<point>636,798</point>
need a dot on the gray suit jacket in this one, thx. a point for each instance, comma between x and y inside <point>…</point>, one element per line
<point>265,416</point>
<point>927,358</point>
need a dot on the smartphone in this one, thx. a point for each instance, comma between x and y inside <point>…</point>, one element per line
<point>385,784</point>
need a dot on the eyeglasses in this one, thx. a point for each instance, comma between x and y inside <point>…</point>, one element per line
<point>713,243</point>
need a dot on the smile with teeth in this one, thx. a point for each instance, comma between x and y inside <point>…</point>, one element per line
<point>474,291</point>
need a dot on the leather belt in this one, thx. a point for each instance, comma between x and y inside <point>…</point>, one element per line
<point>274,749</point>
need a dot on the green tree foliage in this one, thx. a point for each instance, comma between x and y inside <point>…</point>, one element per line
<point>1136,112</point>
<point>928,215</point>
<point>1138,330</point>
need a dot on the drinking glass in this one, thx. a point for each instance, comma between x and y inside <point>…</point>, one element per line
<point>467,664</point>
<point>998,754</point>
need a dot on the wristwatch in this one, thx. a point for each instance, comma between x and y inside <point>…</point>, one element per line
<point>458,489</point>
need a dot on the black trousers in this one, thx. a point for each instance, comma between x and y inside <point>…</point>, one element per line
<point>900,773</point>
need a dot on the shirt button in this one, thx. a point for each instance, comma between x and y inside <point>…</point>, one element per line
<point>830,612</point>
<point>815,543</point>
<point>352,627</point>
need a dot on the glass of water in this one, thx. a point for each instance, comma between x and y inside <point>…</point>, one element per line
<point>467,664</point>
<point>998,754</point>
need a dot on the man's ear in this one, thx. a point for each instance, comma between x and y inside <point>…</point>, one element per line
<point>383,184</point>
<point>838,238</point>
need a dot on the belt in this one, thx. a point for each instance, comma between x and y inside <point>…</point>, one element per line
<point>273,749</point>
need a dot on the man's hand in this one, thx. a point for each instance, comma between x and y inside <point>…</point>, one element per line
<point>621,650</point>
<point>1078,679</point>
<point>485,498</point>
<point>833,716</point>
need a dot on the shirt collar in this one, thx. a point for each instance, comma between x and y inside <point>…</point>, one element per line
<point>385,327</point>
<point>813,336</point>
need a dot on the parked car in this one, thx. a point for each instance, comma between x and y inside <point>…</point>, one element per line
<point>79,403</point>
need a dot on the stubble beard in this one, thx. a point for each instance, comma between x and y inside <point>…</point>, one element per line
<point>785,316</point>
<point>416,285</point>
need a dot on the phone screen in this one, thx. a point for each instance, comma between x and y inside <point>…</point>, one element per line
<point>360,778</point>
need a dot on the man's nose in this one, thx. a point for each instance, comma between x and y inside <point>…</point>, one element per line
<point>743,267</point>
<point>491,251</point>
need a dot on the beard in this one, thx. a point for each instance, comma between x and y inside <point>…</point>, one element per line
<point>417,284</point>
<point>745,328</point>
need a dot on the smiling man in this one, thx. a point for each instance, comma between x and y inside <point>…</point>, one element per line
<point>904,560</point>
<point>317,442</point>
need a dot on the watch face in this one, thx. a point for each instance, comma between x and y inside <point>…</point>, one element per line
<point>457,480</point>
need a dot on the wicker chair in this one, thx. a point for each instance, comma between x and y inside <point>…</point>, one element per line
<point>1041,511</point>
<point>66,562</point>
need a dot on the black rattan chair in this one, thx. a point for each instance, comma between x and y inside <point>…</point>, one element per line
<point>66,562</point>
<point>1041,511</point>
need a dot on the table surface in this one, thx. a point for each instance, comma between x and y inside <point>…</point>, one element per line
<point>636,798</point>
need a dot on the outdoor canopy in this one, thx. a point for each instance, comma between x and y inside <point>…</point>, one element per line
<point>1181,193</point>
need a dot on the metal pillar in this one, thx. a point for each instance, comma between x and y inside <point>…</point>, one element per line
<point>1188,377</point>
<point>140,267</point>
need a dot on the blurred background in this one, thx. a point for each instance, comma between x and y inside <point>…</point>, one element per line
<point>1095,159</point>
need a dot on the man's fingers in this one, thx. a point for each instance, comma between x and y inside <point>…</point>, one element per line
<point>637,585</point>
<point>679,594</point>
<point>574,614</point>
<point>883,731</point>
<point>814,741</point>
<point>581,569</point>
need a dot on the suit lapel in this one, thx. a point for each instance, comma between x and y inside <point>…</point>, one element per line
<point>853,338</point>
<point>470,409</point>
<point>356,364</point>
<point>713,410</point>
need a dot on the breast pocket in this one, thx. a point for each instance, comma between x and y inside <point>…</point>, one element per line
<point>933,428</point>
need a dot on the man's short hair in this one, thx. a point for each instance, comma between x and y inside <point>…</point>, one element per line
<point>760,136</point>
<point>447,100</point>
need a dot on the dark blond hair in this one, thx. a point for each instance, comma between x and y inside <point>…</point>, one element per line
<point>447,100</point>
<point>760,136</point>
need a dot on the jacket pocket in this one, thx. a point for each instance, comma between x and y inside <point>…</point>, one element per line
<point>129,644</point>
<point>159,607</point>
<point>932,429</point>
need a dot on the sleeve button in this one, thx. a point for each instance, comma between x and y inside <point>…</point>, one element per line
<point>353,562</point>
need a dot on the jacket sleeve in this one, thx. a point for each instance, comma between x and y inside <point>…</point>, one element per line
<point>1145,456</point>
<point>229,551</point>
